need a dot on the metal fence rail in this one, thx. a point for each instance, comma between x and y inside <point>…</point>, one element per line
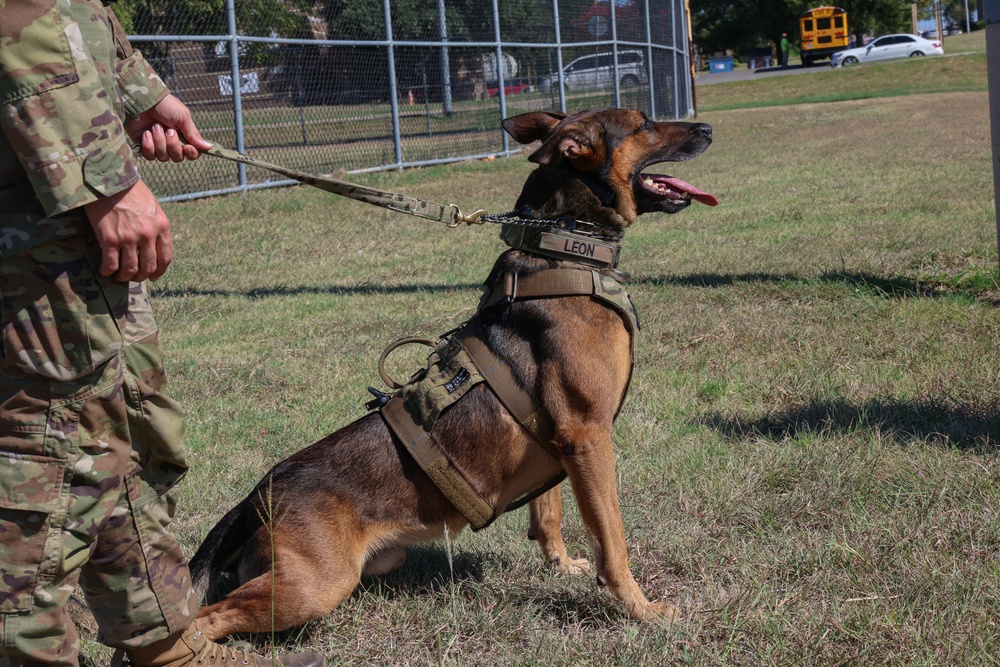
<point>329,95</point>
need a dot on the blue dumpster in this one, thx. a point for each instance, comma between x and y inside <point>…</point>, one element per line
<point>720,65</point>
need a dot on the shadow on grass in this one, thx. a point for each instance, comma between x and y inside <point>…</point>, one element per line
<point>427,570</point>
<point>562,608</point>
<point>877,286</point>
<point>330,290</point>
<point>891,288</point>
<point>963,427</point>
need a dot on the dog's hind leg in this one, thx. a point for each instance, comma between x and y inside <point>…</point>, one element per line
<point>316,566</point>
<point>384,561</point>
<point>546,527</point>
<point>295,593</point>
<point>299,590</point>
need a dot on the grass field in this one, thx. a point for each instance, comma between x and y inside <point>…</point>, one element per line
<point>807,459</point>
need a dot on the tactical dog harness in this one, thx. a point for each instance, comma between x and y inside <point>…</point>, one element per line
<point>463,359</point>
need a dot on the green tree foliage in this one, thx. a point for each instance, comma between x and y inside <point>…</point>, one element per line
<point>743,24</point>
<point>952,12</point>
<point>415,20</point>
<point>877,17</point>
<point>266,18</point>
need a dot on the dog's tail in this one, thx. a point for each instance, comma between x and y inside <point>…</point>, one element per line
<point>218,552</point>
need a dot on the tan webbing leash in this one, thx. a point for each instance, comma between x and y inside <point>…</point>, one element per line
<point>451,214</point>
<point>564,238</point>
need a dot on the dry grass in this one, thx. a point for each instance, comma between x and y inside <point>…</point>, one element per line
<point>807,458</point>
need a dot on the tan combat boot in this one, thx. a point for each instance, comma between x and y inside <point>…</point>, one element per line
<point>192,648</point>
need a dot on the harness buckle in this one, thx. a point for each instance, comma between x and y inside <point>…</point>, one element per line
<point>381,398</point>
<point>457,217</point>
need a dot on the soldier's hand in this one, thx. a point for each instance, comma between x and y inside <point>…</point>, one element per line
<point>134,234</point>
<point>160,129</point>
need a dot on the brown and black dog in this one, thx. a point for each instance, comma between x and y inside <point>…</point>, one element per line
<point>348,505</point>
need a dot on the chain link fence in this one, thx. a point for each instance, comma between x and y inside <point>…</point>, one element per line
<point>366,85</point>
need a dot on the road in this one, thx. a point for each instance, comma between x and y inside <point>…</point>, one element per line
<point>743,73</point>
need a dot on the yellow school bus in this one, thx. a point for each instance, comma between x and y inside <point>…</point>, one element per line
<point>824,32</point>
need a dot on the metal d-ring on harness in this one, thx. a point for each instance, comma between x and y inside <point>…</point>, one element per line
<point>461,360</point>
<point>462,357</point>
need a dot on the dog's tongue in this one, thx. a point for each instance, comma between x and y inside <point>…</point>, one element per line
<point>696,194</point>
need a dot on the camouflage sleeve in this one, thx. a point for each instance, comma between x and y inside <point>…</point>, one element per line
<point>140,85</point>
<point>59,104</point>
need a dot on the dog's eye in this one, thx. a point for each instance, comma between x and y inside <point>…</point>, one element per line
<point>647,124</point>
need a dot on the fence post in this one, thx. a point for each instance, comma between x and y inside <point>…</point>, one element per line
<point>559,58</point>
<point>991,17</point>
<point>614,55</point>
<point>234,67</point>
<point>650,84</point>
<point>300,95</point>
<point>501,79</point>
<point>691,67</point>
<point>397,138</point>
<point>679,37</point>
<point>445,62</point>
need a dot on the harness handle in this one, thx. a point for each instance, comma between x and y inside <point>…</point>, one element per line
<point>399,342</point>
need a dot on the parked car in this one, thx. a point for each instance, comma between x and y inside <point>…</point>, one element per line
<point>889,46</point>
<point>513,87</point>
<point>597,71</point>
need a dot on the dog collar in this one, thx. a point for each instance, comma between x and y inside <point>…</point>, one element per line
<point>564,242</point>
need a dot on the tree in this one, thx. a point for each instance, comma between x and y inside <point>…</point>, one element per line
<point>739,25</point>
<point>876,17</point>
<point>262,18</point>
<point>953,12</point>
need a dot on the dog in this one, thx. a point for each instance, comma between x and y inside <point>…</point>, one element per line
<point>348,505</point>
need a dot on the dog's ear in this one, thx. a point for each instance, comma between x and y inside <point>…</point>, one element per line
<point>528,127</point>
<point>580,142</point>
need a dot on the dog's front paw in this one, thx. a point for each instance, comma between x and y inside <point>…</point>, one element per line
<point>567,565</point>
<point>656,612</point>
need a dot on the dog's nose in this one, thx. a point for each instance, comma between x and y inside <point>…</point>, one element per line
<point>704,129</point>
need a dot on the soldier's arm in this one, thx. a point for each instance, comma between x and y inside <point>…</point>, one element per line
<point>54,108</point>
<point>157,120</point>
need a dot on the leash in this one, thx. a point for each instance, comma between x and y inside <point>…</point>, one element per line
<point>549,237</point>
<point>451,214</point>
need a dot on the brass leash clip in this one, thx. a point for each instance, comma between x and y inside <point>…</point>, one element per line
<point>457,217</point>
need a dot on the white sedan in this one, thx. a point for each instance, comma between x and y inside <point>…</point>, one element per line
<point>889,46</point>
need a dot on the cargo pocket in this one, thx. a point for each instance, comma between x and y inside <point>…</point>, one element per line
<point>29,494</point>
<point>60,320</point>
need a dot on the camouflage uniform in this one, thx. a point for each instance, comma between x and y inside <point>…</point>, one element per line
<point>90,449</point>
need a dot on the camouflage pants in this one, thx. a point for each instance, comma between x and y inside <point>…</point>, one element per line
<point>90,454</point>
